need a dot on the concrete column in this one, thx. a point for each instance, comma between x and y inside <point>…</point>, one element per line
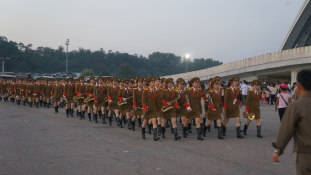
<point>294,73</point>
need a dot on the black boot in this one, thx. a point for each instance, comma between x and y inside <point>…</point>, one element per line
<point>41,101</point>
<point>176,137</point>
<point>245,129</point>
<point>172,130</point>
<point>95,118</point>
<point>167,125</point>
<point>160,130</point>
<point>48,105</point>
<point>238,133</point>
<point>199,134</point>
<point>55,108</point>
<point>83,114</point>
<point>81,117</point>
<point>110,121</point>
<point>67,112</point>
<point>184,133</point>
<point>129,124</point>
<point>143,133</point>
<point>89,116</point>
<point>259,131</point>
<point>155,134</point>
<point>71,112</point>
<point>149,128</point>
<point>104,119</point>
<point>133,125</point>
<point>240,127</point>
<point>44,104</point>
<point>215,124</point>
<point>0,98</point>
<point>123,119</point>
<point>220,133</point>
<point>139,122</point>
<point>204,131</point>
<point>99,114</point>
<point>120,123</point>
<point>37,104</point>
<point>209,128</point>
<point>193,122</point>
<point>24,102</point>
<point>189,128</point>
<point>224,129</point>
<point>163,129</point>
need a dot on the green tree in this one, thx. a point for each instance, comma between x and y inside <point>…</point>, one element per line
<point>87,72</point>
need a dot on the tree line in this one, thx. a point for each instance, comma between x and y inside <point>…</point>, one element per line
<point>23,58</point>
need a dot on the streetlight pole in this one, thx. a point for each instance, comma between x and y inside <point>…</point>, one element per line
<point>6,58</point>
<point>67,43</point>
<point>187,58</point>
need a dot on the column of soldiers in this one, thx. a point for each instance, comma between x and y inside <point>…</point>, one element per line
<point>152,101</point>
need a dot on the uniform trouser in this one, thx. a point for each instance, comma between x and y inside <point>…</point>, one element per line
<point>303,164</point>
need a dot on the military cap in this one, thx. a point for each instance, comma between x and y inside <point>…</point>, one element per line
<point>114,79</point>
<point>120,80</point>
<point>108,79</point>
<point>151,78</point>
<point>144,78</point>
<point>217,77</point>
<point>169,80</point>
<point>180,81</point>
<point>210,79</point>
<point>157,78</point>
<point>100,77</point>
<point>81,78</point>
<point>135,77</point>
<point>195,79</point>
<point>92,78</point>
<point>255,82</point>
<point>126,80</point>
<point>163,80</point>
<point>215,80</point>
<point>139,79</point>
<point>70,79</point>
<point>234,79</point>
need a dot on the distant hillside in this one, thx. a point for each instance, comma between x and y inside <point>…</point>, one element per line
<point>123,65</point>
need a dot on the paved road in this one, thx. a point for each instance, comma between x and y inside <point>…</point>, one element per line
<point>37,141</point>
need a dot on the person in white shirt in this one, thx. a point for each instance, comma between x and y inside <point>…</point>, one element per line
<point>244,90</point>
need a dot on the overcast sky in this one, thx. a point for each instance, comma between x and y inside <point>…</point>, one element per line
<point>225,30</point>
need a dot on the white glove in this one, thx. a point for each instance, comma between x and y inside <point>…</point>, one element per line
<point>110,100</point>
<point>189,109</point>
<point>124,99</point>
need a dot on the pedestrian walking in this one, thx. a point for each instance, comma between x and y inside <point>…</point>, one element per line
<point>282,100</point>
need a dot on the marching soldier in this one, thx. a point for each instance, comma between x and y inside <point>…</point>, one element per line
<point>80,91</point>
<point>150,105</point>
<point>89,92</point>
<point>232,105</point>
<point>182,101</point>
<point>29,91</point>
<point>37,91</point>
<point>68,94</point>
<point>124,96</point>
<point>5,90</point>
<point>57,94</point>
<point>19,88</point>
<point>215,106</point>
<point>252,106</point>
<point>47,93</point>
<point>100,97</point>
<point>158,87</point>
<point>62,99</point>
<point>137,103</point>
<point>194,106</point>
<point>168,98</point>
<point>112,93</point>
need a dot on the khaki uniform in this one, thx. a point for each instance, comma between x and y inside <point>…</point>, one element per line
<point>182,110</point>
<point>231,102</point>
<point>112,93</point>
<point>29,90</point>
<point>89,88</point>
<point>47,90</point>
<point>125,93</point>
<point>150,102</point>
<point>296,123</point>
<point>57,92</point>
<point>252,103</point>
<point>100,95</point>
<point>137,101</point>
<point>69,92</point>
<point>168,96</point>
<point>194,98</point>
<point>216,104</point>
<point>81,90</point>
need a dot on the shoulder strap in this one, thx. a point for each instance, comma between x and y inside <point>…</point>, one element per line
<point>283,99</point>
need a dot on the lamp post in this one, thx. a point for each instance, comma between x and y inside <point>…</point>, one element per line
<point>6,58</point>
<point>67,43</point>
<point>187,58</point>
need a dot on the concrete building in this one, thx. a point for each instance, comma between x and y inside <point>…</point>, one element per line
<point>293,56</point>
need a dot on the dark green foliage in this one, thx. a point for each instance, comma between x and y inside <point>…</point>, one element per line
<point>122,65</point>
